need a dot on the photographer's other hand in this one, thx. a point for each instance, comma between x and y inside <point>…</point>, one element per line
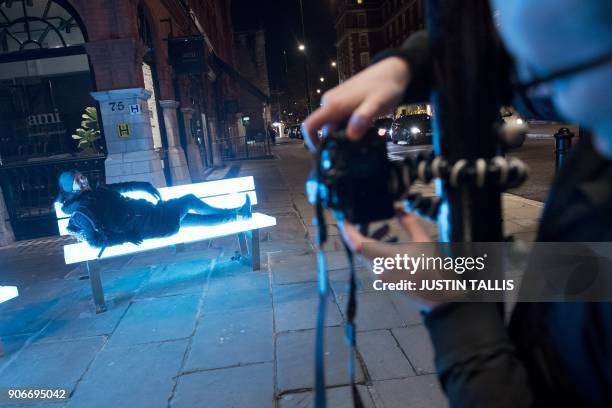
<point>409,223</point>
<point>372,93</point>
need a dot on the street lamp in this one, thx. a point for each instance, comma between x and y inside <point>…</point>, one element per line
<point>333,64</point>
<point>302,48</point>
<point>322,79</point>
<point>318,91</point>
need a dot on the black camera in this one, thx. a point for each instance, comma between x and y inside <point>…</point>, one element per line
<point>356,178</point>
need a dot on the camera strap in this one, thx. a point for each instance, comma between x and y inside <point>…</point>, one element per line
<point>323,287</point>
<point>350,330</point>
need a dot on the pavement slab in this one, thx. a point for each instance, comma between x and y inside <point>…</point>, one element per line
<point>295,360</point>
<point>374,311</point>
<point>338,397</point>
<point>237,291</point>
<point>50,365</point>
<point>296,305</point>
<point>414,392</point>
<point>416,344</point>
<point>160,319</point>
<point>140,375</point>
<point>236,387</point>
<point>382,355</point>
<point>231,338</point>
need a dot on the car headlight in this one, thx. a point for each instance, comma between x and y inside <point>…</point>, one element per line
<point>415,130</point>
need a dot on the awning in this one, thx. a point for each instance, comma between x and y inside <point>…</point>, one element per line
<point>242,81</point>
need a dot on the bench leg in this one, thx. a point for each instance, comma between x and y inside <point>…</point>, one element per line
<point>96,286</point>
<point>242,243</point>
<point>255,255</point>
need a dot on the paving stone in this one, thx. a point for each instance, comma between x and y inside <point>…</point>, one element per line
<point>123,285</point>
<point>249,290</point>
<point>161,319</point>
<point>374,311</point>
<point>406,307</point>
<point>382,356</point>
<point>295,359</point>
<point>237,387</point>
<point>416,344</point>
<point>293,269</point>
<point>228,339</point>
<point>340,397</point>
<point>287,227</point>
<point>414,392</point>
<point>176,279</point>
<point>140,375</point>
<point>296,305</point>
<point>81,321</point>
<point>51,365</point>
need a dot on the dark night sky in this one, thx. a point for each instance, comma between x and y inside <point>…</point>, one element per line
<point>281,21</point>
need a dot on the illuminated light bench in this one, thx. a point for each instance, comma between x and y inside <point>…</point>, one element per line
<point>7,293</point>
<point>227,193</point>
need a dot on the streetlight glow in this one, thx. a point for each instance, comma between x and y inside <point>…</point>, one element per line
<point>333,64</point>
<point>301,47</point>
<point>322,79</point>
<point>318,91</point>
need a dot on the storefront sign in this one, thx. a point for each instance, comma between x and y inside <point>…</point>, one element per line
<point>124,130</point>
<point>186,54</point>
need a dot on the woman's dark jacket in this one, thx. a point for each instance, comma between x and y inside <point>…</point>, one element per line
<point>551,354</point>
<point>104,217</point>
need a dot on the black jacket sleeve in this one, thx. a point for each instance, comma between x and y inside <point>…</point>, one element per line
<point>416,52</point>
<point>84,228</point>
<point>475,359</point>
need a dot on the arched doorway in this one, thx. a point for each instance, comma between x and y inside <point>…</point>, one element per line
<point>45,85</point>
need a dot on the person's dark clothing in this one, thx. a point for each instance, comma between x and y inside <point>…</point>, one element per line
<point>104,217</point>
<point>551,354</point>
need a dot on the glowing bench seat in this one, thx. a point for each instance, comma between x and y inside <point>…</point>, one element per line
<point>220,193</point>
<point>7,293</point>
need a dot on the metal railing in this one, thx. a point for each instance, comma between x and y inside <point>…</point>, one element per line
<point>243,147</point>
<point>31,188</point>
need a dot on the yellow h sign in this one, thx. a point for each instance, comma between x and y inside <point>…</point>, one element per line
<point>124,130</point>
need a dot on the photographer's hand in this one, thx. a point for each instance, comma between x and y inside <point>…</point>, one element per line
<point>409,223</point>
<point>373,92</point>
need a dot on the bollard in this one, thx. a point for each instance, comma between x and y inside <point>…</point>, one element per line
<point>563,144</point>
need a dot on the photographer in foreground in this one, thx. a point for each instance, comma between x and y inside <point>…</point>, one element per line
<point>551,354</point>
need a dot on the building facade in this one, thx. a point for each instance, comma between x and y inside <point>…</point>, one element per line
<point>366,27</point>
<point>250,56</point>
<point>91,85</point>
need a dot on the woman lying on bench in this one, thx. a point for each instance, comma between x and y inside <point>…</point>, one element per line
<point>103,217</point>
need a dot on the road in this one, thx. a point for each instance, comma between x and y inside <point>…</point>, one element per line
<point>537,153</point>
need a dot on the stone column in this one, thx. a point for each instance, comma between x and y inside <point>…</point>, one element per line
<point>6,231</point>
<point>194,158</point>
<point>127,130</point>
<point>176,155</point>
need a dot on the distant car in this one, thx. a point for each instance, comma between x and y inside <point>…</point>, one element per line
<point>295,132</point>
<point>412,129</point>
<point>384,127</point>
